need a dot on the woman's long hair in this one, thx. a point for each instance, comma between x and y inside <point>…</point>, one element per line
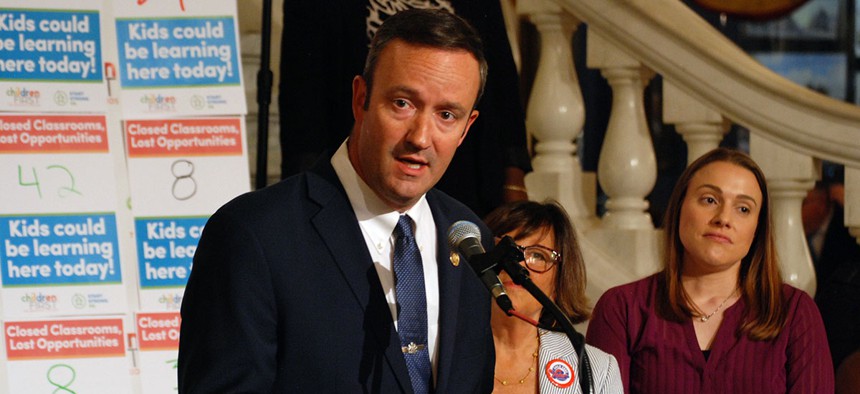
<point>759,279</point>
<point>529,217</point>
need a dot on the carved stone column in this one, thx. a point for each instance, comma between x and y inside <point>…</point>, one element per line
<point>700,126</point>
<point>627,169</point>
<point>555,113</point>
<point>790,175</point>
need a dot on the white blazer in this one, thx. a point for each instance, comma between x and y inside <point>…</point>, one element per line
<point>558,367</point>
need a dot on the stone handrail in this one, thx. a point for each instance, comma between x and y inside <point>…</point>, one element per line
<point>669,38</point>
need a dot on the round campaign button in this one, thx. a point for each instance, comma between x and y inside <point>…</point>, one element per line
<point>559,373</point>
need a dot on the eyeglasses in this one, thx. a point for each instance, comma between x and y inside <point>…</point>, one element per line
<point>539,258</point>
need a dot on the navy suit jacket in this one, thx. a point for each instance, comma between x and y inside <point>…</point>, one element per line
<point>284,297</point>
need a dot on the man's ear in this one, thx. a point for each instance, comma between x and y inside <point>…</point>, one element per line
<point>359,95</point>
<point>472,116</point>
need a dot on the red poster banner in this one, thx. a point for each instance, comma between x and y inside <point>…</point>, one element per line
<point>53,134</point>
<point>158,331</point>
<point>184,137</point>
<point>64,339</point>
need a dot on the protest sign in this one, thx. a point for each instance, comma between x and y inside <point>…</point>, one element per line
<point>180,171</point>
<point>158,339</point>
<point>50,57</point>
<point>179,61</point>
<point>60,250</point>
<point>84,355</point>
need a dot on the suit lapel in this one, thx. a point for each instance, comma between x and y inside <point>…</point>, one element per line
<point>339,230</point>
<point>449,294</point>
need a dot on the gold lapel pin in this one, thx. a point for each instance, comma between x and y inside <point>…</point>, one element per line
<point>455,259</point>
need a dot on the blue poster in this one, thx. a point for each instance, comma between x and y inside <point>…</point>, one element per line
<point>177,52</point>
<point>50,45</point>
<point>52,250</point>
<point>165,249</point>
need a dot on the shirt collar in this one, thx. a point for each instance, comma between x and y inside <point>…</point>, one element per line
<point>372,213</point>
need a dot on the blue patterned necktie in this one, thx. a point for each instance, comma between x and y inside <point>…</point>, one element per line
<point>412,305</point>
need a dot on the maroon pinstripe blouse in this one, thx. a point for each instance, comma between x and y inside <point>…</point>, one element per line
<point>659,356</point>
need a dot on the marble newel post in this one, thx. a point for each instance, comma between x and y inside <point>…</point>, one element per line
<point>555,113</point>
<point>790,175</point>
<point>627,168</point>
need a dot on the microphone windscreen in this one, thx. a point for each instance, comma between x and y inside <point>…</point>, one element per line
<point>461,230</point>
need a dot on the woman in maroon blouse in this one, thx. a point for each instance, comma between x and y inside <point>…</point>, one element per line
<point>717,318</point>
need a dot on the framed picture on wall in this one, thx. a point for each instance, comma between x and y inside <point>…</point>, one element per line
<point>822,72</point>
<point>815,20</point>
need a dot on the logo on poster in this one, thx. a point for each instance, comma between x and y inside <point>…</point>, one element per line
<point>24,96</point>
<point>79,301</point>
<point>96,298</point>
<point>171,301</point>
<point>159,103</point>
<point>197,102</point>
<point>61,98</point>
<point>216,99</point>
<point>78,97</point>
<point>39,302</point>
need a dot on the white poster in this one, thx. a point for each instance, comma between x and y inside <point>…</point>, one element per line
<point>84,355</point>
<point>179,58</point>
<point>158,339</point>
<point>180,172</point>
<point>59,249</point>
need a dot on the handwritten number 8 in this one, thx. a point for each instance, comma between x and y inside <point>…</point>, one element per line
<point>184,186</point>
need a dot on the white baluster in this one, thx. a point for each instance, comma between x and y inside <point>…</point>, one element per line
<point>790,175</point>
<point>700,126</point>
<point>555,113</point>
<point>627,169</point>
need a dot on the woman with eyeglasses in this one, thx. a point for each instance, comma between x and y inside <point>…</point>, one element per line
<point>532,360</point>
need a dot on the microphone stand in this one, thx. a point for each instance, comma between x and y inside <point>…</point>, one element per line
<point>509,260</point>
<point>264,97</point>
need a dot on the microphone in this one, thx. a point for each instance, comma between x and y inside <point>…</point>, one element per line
<point>465,238</point>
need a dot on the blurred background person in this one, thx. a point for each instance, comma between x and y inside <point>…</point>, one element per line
<point>848,375</point>
<point>718,317</point>
<point>823,214</point>
<point>836,257</point>
<point>524,353</point>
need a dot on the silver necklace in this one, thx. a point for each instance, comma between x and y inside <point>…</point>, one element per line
<point>705,318</point>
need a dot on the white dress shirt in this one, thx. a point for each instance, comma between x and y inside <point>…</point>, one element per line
<point>377,221</point>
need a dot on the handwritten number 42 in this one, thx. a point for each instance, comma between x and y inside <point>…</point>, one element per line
<point>63,190</point>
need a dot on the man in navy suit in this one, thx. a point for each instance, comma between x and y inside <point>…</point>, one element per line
<point>293,288</point>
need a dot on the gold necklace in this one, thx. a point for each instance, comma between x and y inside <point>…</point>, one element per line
<point>531,368</point>
<point>705,318</point>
